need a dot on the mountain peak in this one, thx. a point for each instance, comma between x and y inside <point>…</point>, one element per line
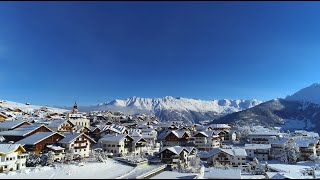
<point>308,94</point>
<point>315,85</point>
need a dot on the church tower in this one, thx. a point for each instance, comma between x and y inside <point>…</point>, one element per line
<point>75,108</point>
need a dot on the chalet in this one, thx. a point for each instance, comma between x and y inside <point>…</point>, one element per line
<point>176,138</point>
<point>10,125</point>
<point>307,147</point>
<point>37,142</point>
<point>306,134</point>
<point>59,152</point>
<point>223,135</point>
<point>95,132</point>
<point>3,117</point>
<point>259,151</point>
<point>278,147</point>
<point>53,116</point>
<point>262,137</point>
<point>12,157</point>
<point>61,126</point>
<point>175,155</point>
<point>233,157</point>
<point>117,144</point>
<point>219,127</point>
<point>139,145</point>
<point>206,140</point>
<point>77,143</point>
<point>23,132</point>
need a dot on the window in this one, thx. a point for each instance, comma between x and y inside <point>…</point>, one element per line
<point>109,145</point>
<point>5,167</point>
<point>113,145</point>
<point>104,145</point>
<point>75,150</point>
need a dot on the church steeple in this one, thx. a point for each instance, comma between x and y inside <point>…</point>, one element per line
<point>75,107</point>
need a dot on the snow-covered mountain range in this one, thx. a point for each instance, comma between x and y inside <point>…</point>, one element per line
<point>169,108</point>
<point>298,111</point>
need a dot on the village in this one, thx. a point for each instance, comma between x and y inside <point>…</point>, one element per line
<point>143,147</point>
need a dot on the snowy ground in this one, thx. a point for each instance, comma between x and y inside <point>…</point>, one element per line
<point>174,175</point>
<point>251,176</point>
<point>140,170</point>
<point>111,169</point>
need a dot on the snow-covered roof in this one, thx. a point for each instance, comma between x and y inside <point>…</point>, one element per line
<point>114,138</point>
<point>232,152</point>
<point>11,124</point>
<point>219,126</point>
<point>53,147</point>
<point>35,138</point>
<point>279,141</point>
<point>137,139</point>
<point>221,173</point>
<point>208,133</point>
<point>176,149</point>
<point>114,127</point>
<point>8,148</point>
<point>69,137</point>
<point>22,130</point>
<point>264,133</point>
<point>57,123</point>
<point>305,142</point>
<point>257,146</point>
<point>135,134</point>
<point>178,133</point>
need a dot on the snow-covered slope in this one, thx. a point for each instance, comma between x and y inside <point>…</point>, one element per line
<point>170,108</point>
<point>309,94</point>
<point>27,108</point>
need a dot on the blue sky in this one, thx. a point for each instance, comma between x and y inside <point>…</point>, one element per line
<point>53,53</point>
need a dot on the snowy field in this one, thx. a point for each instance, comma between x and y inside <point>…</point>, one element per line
<point>174,175</point>
<point>111,169</point>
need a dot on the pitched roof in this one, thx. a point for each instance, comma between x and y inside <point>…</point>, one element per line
<point>178,133</point>
<point>35,138</point>
<point>55,147</point>
<point>175,149</point>
<point>57,123</point>
<point>207,133</point>
<point>69,137</point>
<point>8,148</point>
<point>279,141</point>
<point>305,142</point>
<point>114,138</point>
<point>257,146</point>
<point>232,152</point>
<point>23,130</point>
<point>11,124</point>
